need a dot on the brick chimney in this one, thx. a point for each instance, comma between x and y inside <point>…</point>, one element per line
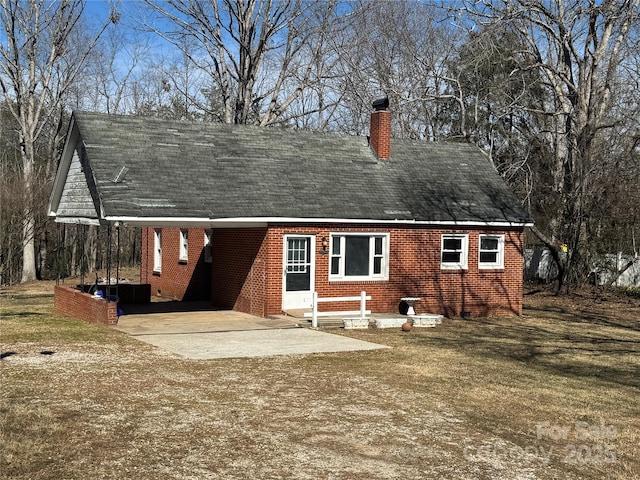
<point>380,129</point>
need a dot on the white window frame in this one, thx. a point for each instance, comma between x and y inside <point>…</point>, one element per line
<point>184,244</point>
<point>207,246</point>
<point>499,263</point>
<point>157,250</point>
<point>384,256</point>
<point>463,262</point>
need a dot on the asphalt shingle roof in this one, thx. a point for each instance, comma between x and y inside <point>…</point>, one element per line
<point>204,170</point>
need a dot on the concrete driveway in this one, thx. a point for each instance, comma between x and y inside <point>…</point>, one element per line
<point>207,334</point>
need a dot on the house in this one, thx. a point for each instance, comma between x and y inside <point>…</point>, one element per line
<point>255,219</point>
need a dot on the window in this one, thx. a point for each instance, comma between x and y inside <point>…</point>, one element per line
<point>157,250</point>
<point>298,255</point>
<point>454,252</point>
<point>491,251</point>
<point>184,245</point>
<point>207,246</point>
<point>359,257</point>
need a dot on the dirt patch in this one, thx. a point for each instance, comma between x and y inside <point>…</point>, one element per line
<point>586,304</point>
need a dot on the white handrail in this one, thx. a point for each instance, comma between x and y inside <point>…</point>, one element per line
<point>314,312</point>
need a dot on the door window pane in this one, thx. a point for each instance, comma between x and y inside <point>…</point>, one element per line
<point>297,254</point>
<point>298,277</point>
<point>298,281</point>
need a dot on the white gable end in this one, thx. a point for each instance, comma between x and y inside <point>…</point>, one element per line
<point>76,203</point>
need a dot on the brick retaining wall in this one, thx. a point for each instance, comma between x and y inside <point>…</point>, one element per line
<point>71,302</point>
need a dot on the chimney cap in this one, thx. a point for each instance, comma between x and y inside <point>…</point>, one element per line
<point>381,104</point>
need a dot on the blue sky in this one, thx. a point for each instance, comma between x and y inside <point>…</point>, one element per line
<point>99,9</point>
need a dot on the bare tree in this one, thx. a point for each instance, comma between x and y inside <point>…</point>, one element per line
<point>39,61</point>
<point>112,68</point>
<point>400,49</point>
<point>577,50</point>
<point>231,41</point>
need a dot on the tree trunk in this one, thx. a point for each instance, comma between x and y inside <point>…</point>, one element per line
<point>28,222</point>
<point>28,249</point>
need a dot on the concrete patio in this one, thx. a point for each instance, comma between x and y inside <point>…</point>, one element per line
<point>195,331</point>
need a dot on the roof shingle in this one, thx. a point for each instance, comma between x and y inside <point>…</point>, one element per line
<point>203,170</point>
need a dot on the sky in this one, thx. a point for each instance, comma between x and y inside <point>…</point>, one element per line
<point>132,13</point>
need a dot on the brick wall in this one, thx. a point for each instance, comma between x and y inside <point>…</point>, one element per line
<point>246,273</point>
<point>188,279</point>
<point>414,271</point>
<point>71,302</point>
<point>239,272</point>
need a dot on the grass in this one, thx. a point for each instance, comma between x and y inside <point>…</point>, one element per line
<point>630,291</point>
<point>550,395</point>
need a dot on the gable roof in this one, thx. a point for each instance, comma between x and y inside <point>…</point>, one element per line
<point>159,172</point>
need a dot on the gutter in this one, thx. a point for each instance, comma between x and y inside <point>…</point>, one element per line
<point>246,222</point>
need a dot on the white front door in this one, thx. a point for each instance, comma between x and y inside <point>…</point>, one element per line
<point>299,266</point>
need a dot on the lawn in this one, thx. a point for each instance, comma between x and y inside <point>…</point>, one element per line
<point>551,395</point>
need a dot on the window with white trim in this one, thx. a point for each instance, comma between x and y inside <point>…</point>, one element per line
<point>491,251</point>
<point>157,249</point>
<point>184,244</point>
<point>359,256</point>
<point>454,251</point>
<point>207,246</point>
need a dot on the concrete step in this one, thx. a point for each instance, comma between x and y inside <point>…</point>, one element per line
<point>323,322</point>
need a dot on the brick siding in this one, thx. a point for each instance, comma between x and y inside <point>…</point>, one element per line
<point>187,280</point>
<point>240,270</point>
<point>247,270</point>
<point>414,271</point>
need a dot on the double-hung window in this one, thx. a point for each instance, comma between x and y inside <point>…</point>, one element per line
<point>157,250</point>
<point>491,251</point>
<point>359,256</point>
<point>454,251</point>
<point>207,246</point>
<point>184,245</point>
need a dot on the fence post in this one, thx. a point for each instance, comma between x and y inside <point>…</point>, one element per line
<point>314,314</point>
<point>363,303</point>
